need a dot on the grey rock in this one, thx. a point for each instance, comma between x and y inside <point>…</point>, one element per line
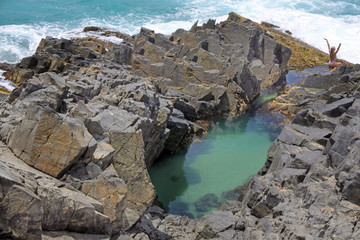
<point>215,223</point>
<point>120,54</point>
<point>322,81</point>
<point>111,192</point>
<point>49,142</point>
<point>103,154</point>
<point>68,210</point>
<point>93,170</point>
<point>62,235</point>
<point>337,108</point>
<point>129,163</point>
<point>178,130</point>
<point>21,213</point>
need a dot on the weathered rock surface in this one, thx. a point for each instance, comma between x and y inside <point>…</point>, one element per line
<point>49,142</point>
<point>231,55</point>
<point>309,186</point>
<point>33,202</point>
<point>88,118</point>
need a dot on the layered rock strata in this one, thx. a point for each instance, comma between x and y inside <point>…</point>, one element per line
<point>83,126</point>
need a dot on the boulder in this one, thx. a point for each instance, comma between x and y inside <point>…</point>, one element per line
<point>129,162</point>
<point>21,212</point>
<point>65,209</point>
<point>49,141</point>
<point>210,226</point>
<point>111,192</point>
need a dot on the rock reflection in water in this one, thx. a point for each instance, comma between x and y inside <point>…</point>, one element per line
<point>169,178</point>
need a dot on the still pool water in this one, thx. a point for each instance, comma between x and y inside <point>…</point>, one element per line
<point>234,150</point>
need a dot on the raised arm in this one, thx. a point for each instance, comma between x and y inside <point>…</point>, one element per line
<point>338,48</point>
<point>328,44</point>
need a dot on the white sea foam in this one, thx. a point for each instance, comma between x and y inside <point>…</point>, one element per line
<point>168,27</point>
<point>19,41</point>
<point>5,83</point>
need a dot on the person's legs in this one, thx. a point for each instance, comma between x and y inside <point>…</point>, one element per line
<point>334,64</point>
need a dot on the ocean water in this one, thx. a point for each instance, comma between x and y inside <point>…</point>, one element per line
<point>234,150</point>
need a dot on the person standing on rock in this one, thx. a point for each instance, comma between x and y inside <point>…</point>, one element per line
<point>333,63</point>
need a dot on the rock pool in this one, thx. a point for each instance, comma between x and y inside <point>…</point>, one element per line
<point>196,181</point>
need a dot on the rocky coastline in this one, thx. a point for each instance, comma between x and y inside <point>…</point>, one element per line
<point>88,118</point>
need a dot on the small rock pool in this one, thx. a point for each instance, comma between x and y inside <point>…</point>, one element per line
<point>195,182</point>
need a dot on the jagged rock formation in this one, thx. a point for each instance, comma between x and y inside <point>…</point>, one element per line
<point>81,128</point>
<point>309,186</point>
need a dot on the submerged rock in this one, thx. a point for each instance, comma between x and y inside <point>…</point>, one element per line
<point>207,202</point>
<point>237,193</point>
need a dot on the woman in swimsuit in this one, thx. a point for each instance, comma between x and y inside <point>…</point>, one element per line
<point>333,63</point>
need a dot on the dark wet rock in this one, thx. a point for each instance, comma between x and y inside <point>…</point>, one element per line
<point>337,108</point>
<point>179,128</point>
<point>207,202</point>
<point>92,28</point>
<point>237,193</point>
<point>6,66</point>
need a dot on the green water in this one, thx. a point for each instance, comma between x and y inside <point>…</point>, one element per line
<point>233,151</point>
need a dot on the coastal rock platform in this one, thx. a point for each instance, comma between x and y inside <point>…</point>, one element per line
<point>91,121</point>
<point>87,120</point>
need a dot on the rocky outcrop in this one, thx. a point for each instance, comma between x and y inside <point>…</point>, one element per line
<point>49,142</point>
<point>234,54</point>
<point>308,188</point>
<point>88,118</point>
<point>84,124</point>
<point>33,202</point>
